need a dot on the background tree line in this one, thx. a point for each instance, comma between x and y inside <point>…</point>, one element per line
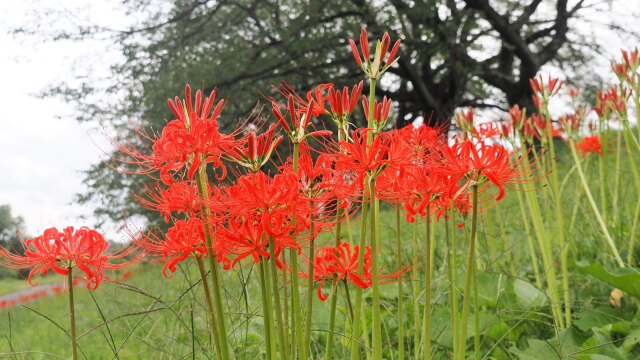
<point>455,53</point>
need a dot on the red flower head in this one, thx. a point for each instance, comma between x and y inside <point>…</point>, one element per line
<point>337,263</point>
<point>254,151</point>
<point>465,119</point>
<point>300,113</point>
<point>360,158</point>
<point>185,142</point>
<point>590,144</point>
<point>183,239</point>
<point>181,197</point>
<point>373,68</point>
<point>84,248</point>
<point>380,112</point>
<point>479,161</point>
<point>545,90</point>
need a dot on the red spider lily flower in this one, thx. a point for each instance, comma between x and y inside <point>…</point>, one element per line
<point>183,239</point>
<point>373,68</point>
<point>254,151</point>
<point>589,144</point>
<point>479,161</point>
<point>540,125</point>
<point>465,119</point>
<point>341,103</point>
<point>487,131</point>
<point>185,142</point>
<point>337,263</point>
<point>631,58</point>
<point>84,248</point>
<point>180,197</point>
<point>361,158</point>
<point>544,89</point>
<point>380,112</point>
<point>611,101</point>
<point>271,198</point>
<point>422,190</point>
<point>423,139</point>
<point>300,119</point>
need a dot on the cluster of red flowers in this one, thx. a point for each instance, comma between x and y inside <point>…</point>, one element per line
<point>60,251</point>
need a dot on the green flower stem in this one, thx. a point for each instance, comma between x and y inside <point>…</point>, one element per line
<point>347,298</point>
<point>357,311</point>
<point>297,329</point>
<point>415,279</point>
<point>453,281</point>
<point>332,321</point>
<point>468,278</point>
<point>375,253</point>
<point>214,268</point>
<point>309,304</point>
<point>594,207</point>
<point>559,217</point>
<point>210,309</point>
<point>266,311</point>
<point>544,244</point>
<point>72,316</point>
<point>532,251</point>
<point>276,296</point>
<point>400,292</point>
<point>426,325</point>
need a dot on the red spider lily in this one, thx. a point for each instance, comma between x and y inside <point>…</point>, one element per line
<point>631,58</point>
<point>589,144</point>
<point>477,161</point>
<point>181,197</point>
<point>361,158</point>
<point>465,119</point>
<point>183,239</point>
<point>300,119</point>
<point>84,248</point>
<point>337,263</point>
<point>422,189</point>
<point>546,89</point>
<point>487,131</point>
<point>254,151</point>
<point>372,68</point>
<point>611,101</point>
<point>274,199</point>
<point>185,142</point>
<point>341,103</point>
<point>423,139</point>
<point>380,112</point>
<point>540,125</point>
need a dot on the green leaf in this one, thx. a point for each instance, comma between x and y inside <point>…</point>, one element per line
<point>625,279</point>
<point>527,295</point>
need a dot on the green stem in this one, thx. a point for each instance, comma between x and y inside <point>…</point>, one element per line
<point>532,251</point>
<point>72,316</point>
<point>357,311</point>
<point>309,304</point>
<point>295,285</point>
<point>332,321</point>
<point>377,324</point>
<point>347,298</point>
<point>594,207</point>
<point>468,278</point>
<point>426,325</point>
<point>415,278</point>
<point>400,292</point>
<point>210,310</point>
<point>276,296</point>
<point>451,265</point>
<point>215,271</point>
<point>268,323</point>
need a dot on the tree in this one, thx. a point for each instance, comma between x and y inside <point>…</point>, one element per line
<point>455,53</point>
<point>11,228</point>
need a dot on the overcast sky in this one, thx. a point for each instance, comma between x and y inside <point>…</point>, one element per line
<point>43,150</point>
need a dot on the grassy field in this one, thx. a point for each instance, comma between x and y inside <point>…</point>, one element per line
<point>150,317</point>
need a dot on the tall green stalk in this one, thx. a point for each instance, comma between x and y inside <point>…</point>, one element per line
<point>210,309</point>
<point>332,321</point>
<point>468,278</point>
<point>426,325</point>
<point>377,323</point>
<point>282,346</point>
<point>266,311</point>
<point>297,329</point>
<point>357,310</point>
<point>213,266</point>
<point>594,207</point>
<point>310,280</point>
<point>72,316</point>
<point>400,292</point>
